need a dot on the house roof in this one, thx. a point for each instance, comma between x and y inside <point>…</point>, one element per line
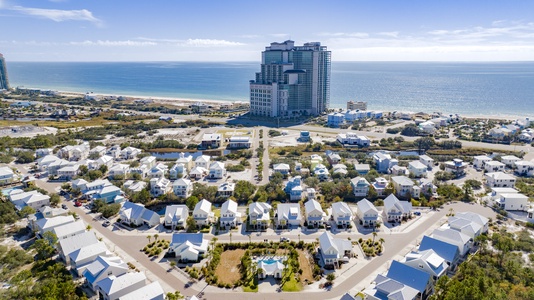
<point>182,237</point>
<point>132,211</point>
<point>5,171</point>
<point>436,264</point>
<point>364,206</point>
<point>203,158</point>
<point>176,212</point>
<point>112,284</point>
<point>88,251</point>
<point>327,243</point>
<point>148,292</point>
<point>454,236</point>
<point>49,223</point>
<point>390,289</point>
<point>409,276</point>
<point>229,206</point>
<point>446,250</point>
<point>202,206</point>
<point>495,163</point>
<point>284,211</point>
<point>100,264</point>
<point>76,242</point>
<point>417,165</point>
<point>500,175</point>
<point>281,167</point>
<point>341,208</point>
<point>402,180</point>
<point>226,186</point>
<point>426,158</point>
<point>313,205</point>
<point>217,165</point>
<point>69,229</point>
<point>182,182</point>
<point>359,181</point>
<point>473,217</point>
<point>259,207</point>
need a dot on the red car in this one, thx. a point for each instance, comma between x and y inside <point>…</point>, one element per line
<point>77,204</point>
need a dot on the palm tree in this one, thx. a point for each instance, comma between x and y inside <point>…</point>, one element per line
<point>230,237</point>
<point>156,236</point>
<point>149,237</point>
<point>381,241</point>
<point>374,236</point>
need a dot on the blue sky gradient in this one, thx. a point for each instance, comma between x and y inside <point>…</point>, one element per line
<point>214,30</point>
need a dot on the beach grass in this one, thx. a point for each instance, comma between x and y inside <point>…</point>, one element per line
<point>62,124</point>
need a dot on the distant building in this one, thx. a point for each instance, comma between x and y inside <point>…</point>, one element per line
<point>293,81</point>
<point>356,105</point>
<point>4,81</point>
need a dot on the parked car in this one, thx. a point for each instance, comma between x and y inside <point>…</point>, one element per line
<point>106,223</point>
<point>284,239</point>
<point>77,204</point>
<point>64,206</point>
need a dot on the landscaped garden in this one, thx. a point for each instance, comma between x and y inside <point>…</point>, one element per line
<point>236,265</point>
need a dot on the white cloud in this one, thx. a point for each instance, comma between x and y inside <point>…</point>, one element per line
<point>345,34</point>
<point>107,43</point>
<point>393,34</point>
<point>59,15</point>
<point>210,43</point>
<point>279,35</point>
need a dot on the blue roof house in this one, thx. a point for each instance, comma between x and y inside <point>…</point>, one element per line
<point>449,252</point>
<point>417,279</point>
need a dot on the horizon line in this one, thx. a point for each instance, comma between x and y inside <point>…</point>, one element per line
<point>251,61</point>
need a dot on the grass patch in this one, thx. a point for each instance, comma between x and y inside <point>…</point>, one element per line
<point>228,269</point>
<point>248,289</point>
<point>216,212</point>
<point>305,266</point>
<point>292,285</point>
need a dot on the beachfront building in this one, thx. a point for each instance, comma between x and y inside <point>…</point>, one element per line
<point>211,141</point>
<point>293,81</point>
<point>356,105</point>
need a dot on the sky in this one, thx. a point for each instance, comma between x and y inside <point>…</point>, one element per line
<point>235,30</point>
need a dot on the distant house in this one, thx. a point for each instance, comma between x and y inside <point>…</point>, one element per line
<point>360,186</point>
<point>176,216</point>
<point>395,210</point>
<point>152,291</point>
<point>494,166</point>
<point>362,169</point>
<point>177,171</point>
<point>499,179</point>
<point>427,161</point>
<point>259,215</point>
<point>187,161</point>
<point>294,189</point>
<point>367,213</point>
<point>383,162</point>
<point>524,168</point>
<point>182,187</point>
<point>129,153</point>
<point>160,186</point>
<point>6,175</point>
<point>333,158</point>
<point>405,187</point>
<point>321,172</point>
<point>417,169</point>
<point>148,161</point>
<point>230,217</point>
<point>510,160</point>
<point>239,142</point>
<point>217,170</point>
<point>202,213</point>
<point>315,216</point>
<point>333,250</point>
<point>134,186</point>
<point>288,214</point>
<point>281,168</point>
<point>226,189</point>
<point>380,186</point>
<point>68,172</point>
<point>341,214</point>
<point>188,246</point>
<point>119,170</point>
<point>513,201</point>
<point>479,162</point>
<point>33,199</point>
<point>203,161</point>
<point>467,227</point>
<point>136,214</point>
<point>353,139</point>
<point>211,141</point>
<point>198,173</point>
<point>397,170</point>
<point>158,171</point>
<point>456,167</point>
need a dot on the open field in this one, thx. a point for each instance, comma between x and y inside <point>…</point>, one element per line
<point>228,133</point>
<point>305,266</point>
<point>228,269</point>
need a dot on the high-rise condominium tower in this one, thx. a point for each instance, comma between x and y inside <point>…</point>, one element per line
<point>294,81</point>
<point>4,82</point>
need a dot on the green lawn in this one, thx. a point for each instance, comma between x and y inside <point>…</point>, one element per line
<point>292,285</point>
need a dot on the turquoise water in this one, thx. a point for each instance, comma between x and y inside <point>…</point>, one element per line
<point>270,261</point>
<point>6,192</point>
<point>464,88</point>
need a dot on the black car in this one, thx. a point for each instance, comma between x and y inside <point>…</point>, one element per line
<point>64,206</point>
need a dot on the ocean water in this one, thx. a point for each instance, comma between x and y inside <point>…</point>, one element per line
<point>481,89</point>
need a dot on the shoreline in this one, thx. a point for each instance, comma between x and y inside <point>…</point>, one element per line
<point>186,102</point>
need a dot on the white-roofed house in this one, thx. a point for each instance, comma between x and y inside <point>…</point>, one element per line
<point>135,214</point>
<point>288,214</point>
<point>226,190</point>
<point>333,157</point>
<point>417,168</point>
<point>259,215</point>
<point>499,179</point>
<point>333,250</point>
<point>119,170</point>
<point>177,171</point>
<point>524,168</point>
<point>380,184</point>
<point>44,225</point>
<point>230,217</point>
<point>510,160</point>
<point>513,201</point>
<point>217,170</point>
<point>187,161</point>
<point>360,186</point>
<point>160,186</point>
<point>454,237</point>
<point>428,261</point>
<point>158,171</point>
<point>239,142</point>
<point>315,216</point>
<point>467,227</point>
<point>69,229</point>
<point>405,187</point>
<point>203,161</point>
<point>148,161</point>
<point>176,216</point>
<point>456,167</point>
<point>281,168</point>
<point>397,170</point>
<point>33,199</point>
<point>198,173</point>
<point>105,160</point>
<point>342,214</point>
<point>211,141</point>
<point>479,161</point>
<point>367,213</point>
<point>114,287</point>
<point>494,166</point>
<point>82,257</point>
<point>427,161</point>
<point>68,172</point>
<point>104,267</point>
<point>6,175</point>
<point>202,213</point>
<point>188,246</point>
<point>387,288</point>
<point>79,184</point>
<point>129,153</point>
<point>134,186</point>
<point>73,243</point>
<point>474,217</point>
<point>395,210</point>
<point>182,187</point>
<point>152,291</point>
<point>99,150</point>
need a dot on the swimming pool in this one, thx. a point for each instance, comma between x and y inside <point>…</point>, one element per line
<point>6,192</point>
